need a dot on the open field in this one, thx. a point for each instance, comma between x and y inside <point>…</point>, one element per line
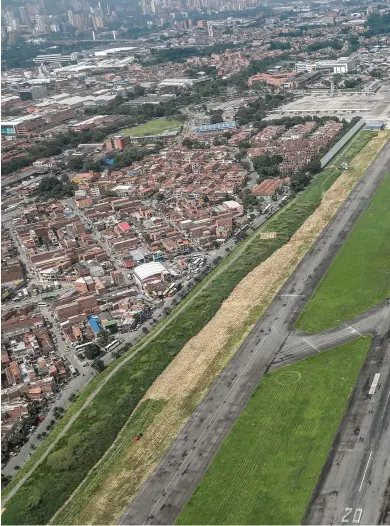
<point>359,277</point>
<point>152,127</point>
<point>109,410</point>
<point>268,465</point>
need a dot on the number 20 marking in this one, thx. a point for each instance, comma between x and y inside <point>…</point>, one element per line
<point>356,516</point>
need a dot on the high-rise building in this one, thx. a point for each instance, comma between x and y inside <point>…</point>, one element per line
<point>41,26</point>
<point>70,17</point>
<point>97,22</point>
<point>23,16</point>
<point>210,29</point>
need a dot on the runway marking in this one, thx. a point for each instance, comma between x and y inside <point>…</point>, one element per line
<point>311,345</point>
<point>384,409</point>
<point>289,382</point>
<point>354,330</point>
<point>374,384</point>
<point>365,471</point>
<point>356,516</point>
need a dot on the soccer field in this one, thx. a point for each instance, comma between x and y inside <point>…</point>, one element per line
<point>267,467</point>
<point>152,127</point>
<point>359,277</point>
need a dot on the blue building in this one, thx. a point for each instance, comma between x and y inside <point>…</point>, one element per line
<point>93,322</point>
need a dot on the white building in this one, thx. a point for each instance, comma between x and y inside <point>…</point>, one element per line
<point>176,83</point>
<point>153,272</point>
<point>341,65</point>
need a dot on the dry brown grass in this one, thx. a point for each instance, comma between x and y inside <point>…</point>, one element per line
<point>107,490</point>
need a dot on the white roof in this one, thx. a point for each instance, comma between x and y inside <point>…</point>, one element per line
<point>147,270</point>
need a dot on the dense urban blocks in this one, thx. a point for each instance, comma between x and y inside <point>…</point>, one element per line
<point>359,278</point>
<point>267,467</point>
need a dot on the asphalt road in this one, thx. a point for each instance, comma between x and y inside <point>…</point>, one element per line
<point>164,494</point>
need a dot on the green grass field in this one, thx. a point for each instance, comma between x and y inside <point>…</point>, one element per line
<point>268,465</point>
<point>359,277</point>
<point>152,127</point>
<point>95,429</point>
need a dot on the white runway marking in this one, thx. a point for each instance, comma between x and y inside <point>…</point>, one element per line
<point>374,384</point>
<point>296,376</point>
<point>384,409</point>
<point>354,330</point>
<point>365,471</point>
<point>311,345</point>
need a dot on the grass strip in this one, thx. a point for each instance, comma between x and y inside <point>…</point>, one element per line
<point>268,465</point>
<point>359,277</point>
<point>108,410</point>
<point>152,127</point>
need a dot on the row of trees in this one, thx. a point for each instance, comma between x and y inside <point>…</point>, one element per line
<point>267,166</point>
<point>256,110</point>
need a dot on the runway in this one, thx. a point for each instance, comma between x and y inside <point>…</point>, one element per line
<point>353,488</point>
<point>271,344</point>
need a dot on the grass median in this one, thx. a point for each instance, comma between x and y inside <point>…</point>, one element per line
<point>268,465</point>
<point>359,277</point>
<point>108,410</point>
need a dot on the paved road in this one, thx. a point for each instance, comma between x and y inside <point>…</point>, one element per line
<point>354,485</point>
<point>168,489</point>
<point>73,387</point>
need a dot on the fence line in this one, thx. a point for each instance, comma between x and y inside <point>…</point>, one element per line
<point>339,144</point>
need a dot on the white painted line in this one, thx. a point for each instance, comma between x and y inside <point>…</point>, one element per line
<point>384,409</point>
<point>357,515</point>
<point>311,345</point>
<point>374,384</point>
<point>354,330</point>
<point>365,471</point>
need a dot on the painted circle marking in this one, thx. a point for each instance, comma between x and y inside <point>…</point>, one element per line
<point>288,378</point>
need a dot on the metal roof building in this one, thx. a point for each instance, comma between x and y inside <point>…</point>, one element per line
<point>215,127</point>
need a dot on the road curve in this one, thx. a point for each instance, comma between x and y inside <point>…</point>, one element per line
<point>164,494</point>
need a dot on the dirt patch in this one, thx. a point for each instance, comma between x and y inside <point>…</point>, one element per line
<point>268,235</point>
<point>105,493</point>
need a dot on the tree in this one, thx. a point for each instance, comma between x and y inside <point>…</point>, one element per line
<point>216,116</point>
<point>92,352</point>
<point>98,364</point>
<point>57,187</point>
<point>60,460</point>
<point>103,337</point>
<point>75,163</point>
<point>187,142</point>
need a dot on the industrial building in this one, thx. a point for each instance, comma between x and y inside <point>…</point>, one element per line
<point>220,126</point>
<point>149,273</point>
<point>340,65</point>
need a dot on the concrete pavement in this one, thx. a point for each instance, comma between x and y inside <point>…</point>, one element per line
<point>164,494</point>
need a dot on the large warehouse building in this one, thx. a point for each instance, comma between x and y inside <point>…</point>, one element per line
<point>150,272</point>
